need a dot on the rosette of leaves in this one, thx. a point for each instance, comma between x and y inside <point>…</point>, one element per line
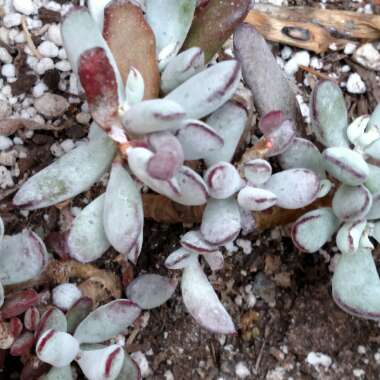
<point>351,161</point>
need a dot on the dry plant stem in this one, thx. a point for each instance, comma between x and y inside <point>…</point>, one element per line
<point>10,126</point>
<point>315,72</point>
<point>313,28</point>
<point>29,40</point>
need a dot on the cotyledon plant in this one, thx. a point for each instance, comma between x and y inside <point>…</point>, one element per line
<point>351,161</point>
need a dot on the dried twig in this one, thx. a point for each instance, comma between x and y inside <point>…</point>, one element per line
<point>29,39</point>
<point>10,126</point>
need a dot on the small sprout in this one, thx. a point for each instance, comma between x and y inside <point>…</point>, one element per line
<point>257,171</point>
<point>179,259</point>
<point>256,199</point>
<point>349,235</point>
<point>134,89</point>
<point>193,241</point>
<point>66,295</point>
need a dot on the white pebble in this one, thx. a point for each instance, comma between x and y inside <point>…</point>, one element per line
<point>4,35</point>
<point>317,358</point>
<point>358,372</point>
<point>11,20</point>
<point>18,141</point>
<point>355,84</point>
<point>54,34</point>
<point>245,244</point>
<point>316,63</point>
<point>300,58</point>
<point>5,57</point>
<point>51,105</point>
<point>33,24</point>
<point>83,118</point>
<point>39,89</point>
<point>65,295</point>
<point>8,70</point>
<point>62,54</point>
<point>25,7</point>
<point>56,150</point>
<point>345,69</point>
<point>67,145</point>
<point>5,143</point>
<point>63,66</point>
<point>48,49</point>
<point>20,38</point>
<point>367,56</point>
<point>349,48</point>
<point>286,53</point>
<point>242,370</point>
<point>5,178</point>
<point>44,65</point>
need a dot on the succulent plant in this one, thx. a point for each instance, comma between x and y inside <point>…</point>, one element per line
<point>350,161</point>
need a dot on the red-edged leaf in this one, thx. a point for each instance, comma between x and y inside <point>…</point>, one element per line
<point>23,344</point>
<point>18,303</point>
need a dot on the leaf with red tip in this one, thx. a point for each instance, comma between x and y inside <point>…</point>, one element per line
<point>132,43</point>
<point>294,188</point>
<point>205,92</point>
<point>149,291</point>
<point>221,221</point>
<point>123,214</point>
<point>215,260</point>
<point>54,319</point>
<point>223,180</point>
<point>22,257</point>
<point>257,171</point>
<point>202,302</point>
<point>214,24</point>
<point>356,285</point>
<point>62,373</point>
<point>23,344</point>
<point>87,240</point>
<point>153,116</point>
<point>16,326</point>
<point>31,318</point>
<point>99,82</point>
<point>256,199</point>
<point>181,68</point>
<point>349,235</point>
<point>79,311</point>
<point>193,241</point>
<point>107,321</point>
<point>229,122</point>
<point>18,303</point>
<point>130,370</point>
<point>304,229</point>
<point>198,139</point>
<point>168,157</point>
<point>179,259</point>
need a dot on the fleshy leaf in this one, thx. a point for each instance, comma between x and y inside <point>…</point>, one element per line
<point>270,88</point>
<point>153,116</point>
<point>170,21</point>
<point>215,260</point>
<point>257,171</point>
<point>221,221</point>
<point>54,319</point>
<point>373,150</point>
<point>123,214</point>
<point>130,370</point>
<point>79,311</point>
<point>67,177</point>
<point>314,229</point>
<point>374,212</point>
<point>96,8</point>
<point>104,363</point>
<point>179,259</point>
<point>351,203</point>
<point>62,373</point>
<point>2,229</point>
<point>223,180</point>
<point>294,188</point>
<point>198,139</point>
<point>23,344</point>
<point>202,302</point>
<point>349,235</point>
<point>22,257</point>
<point>87,240</point>
<point>149,291</point>
<point>17,303</point>
<point>329,114</point>
<point>132,43</point>
<point>107,321</point>
<point>16,326</point>
<point>256,199</point>
<point>346,165</point>
<point>304,154</point>
<point>373,180</point>
<point>205,92</point>
<point>229,121</point>
<point>193,241</point>
<point>181,68</point>
<point>214,25</point>
<point>57,348</point>
<point>31,318</point>
<point>2,294</point>
<point>356,285</point>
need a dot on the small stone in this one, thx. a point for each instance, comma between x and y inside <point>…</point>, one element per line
<point>39,89</point>
<point>316,63</point>
<point>367,56</point>
<point>65,295</point>
<point>48,49</point>
<point>54,34</point>
<point>242,370</point>
<point>9,158</point>
<point>349,48</point>
<point>5,110</point>
<point>318,359</point>
<point>286,53</point>
<point>300,58</point>
<point>63,66</point>
<point>56,150</point>
<point>355,84</point>
<point>67,145</point>
<point>358,372</point>
<point>83,118</point>
<point>5,178</point>
<point>44,65</point>
<point>25,7</point>
<point>5,57</point>
<point>11,20</point>
<point>51,105</point>
<point>5,143</point>
<point>8,70</point>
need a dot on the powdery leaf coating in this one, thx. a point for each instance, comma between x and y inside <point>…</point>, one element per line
<point>107,321</point>
<point>54,319</point>
<point>356,285</point>
<point>202,302</point>
<point>314,229</point>
<point>179,259</point>
<point>373,180</point>
<point>71,174</point>
<point>23,344</point>
<point>229,122</point>
<point>96,8</point>
<point>193,241</point>
<point>134,88</point>
<point>257,171</point>
<point>181,68</point>
<point>346,165</point>
<point>17,303</point>
<point>373,150</point>
<point>66,295</point>
<point>205,92</point>
<point>22,257</point>
<point>63,373</point>
<point>131,40</point>
<point>223,180</point>
<point>374,212</point>
<point>31,318</point>
<point>304,154</point>
<point>294,188</point>
<point>79,311</point>
<point>87,240</point>
<point>256,199</point>
<point>221,221</point>
<point>153,116</point>
<point>198,139</point>
<point>170,21</point>
<point>123,214</point>
<point>215,260</point>
<point>57,348</point>
<point>109,362</point>
<point>130,370</point>
<point>357,130</point>
<point>352,203</point>
<point>2,229</point>
<point>349,235</point>
<point>149,291</point>
<point>329,114</point>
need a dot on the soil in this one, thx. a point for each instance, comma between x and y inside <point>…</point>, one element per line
<point>293,314</point>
